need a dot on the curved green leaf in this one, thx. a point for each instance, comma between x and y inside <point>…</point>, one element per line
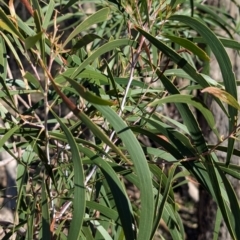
<point>162,208</point>
<point>119,195</point>
<point>87,95</point>
<point>165,144</point>
<point>228,43</point>
<point>181,62</point>
<point>48,15</point>
<point>3,59</point>
<point>141,167</point>
<point>79,187</point>
<point>225,68</point>
<point>86,39</point>
<point>45,230</point>
<point>101,50</point>
<point>190,46</point>
<point>7,24</point>
<point>31,41</point>
<point>223,96</point>
<point>97,17</point>
<point>178,98</point>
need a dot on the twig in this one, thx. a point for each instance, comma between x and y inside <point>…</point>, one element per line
<point>28,6</point>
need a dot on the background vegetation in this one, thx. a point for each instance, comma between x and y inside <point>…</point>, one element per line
<point>81,91</point>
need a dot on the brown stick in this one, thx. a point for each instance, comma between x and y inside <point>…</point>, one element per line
<point>28,6</point>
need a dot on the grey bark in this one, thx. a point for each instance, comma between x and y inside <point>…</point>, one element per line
<point>207,207</point>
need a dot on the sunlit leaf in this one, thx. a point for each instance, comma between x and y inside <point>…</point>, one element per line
<point>7,24</point>
<point>223,96</point>
<point>97,17</point>
<point>190,46</point>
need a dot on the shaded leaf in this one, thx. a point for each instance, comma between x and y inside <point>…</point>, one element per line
<point>87,95</point>
<point>31,41</point>
<point>79,188</point>
<point>190,46</point>
<point>224,65</point>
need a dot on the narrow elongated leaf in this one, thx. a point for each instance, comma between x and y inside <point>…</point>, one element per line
<point>173,221</point>
<point>211,10</point>
<point>141,167</point>
<point>233,202</point>
<point>164,199</point>
<point>228,43</point>
<point>8,135</point>
<point>3,70</point>
<point>182,74</point>
<point>144,9</point>
<point>17,92</point>
<point>233,173</point>
<point>41,38</point>
<point>32,80</point>
<point>97,17</point>
<point>46,233</point>
<point>38,9</point>
<point>217,226</point>
<point>101,50</point>
<point>190,46</point>
<point>165,144</point>
<point>162,178</point>
<point>216,181</point>
<point>86,39</point>
<point>13,50</point>
<point>178,98</point>
<point>69,4</point>
<point>223,96</point>
<point>48,15</point>
<point>101,135</point>
<point>104,233</point>
<point>30,221</point>
<point>87,95</point>
<point>97,76</point>
<point>108,212</point>
<point>160,154</point>
<point>177,139</point>
<point>225,68</point>
<point>79,201</point>
<point>7,24</point>
<point>119,195</point>
<point>174,122</point>
<point>3,59</point>
<point>31,41</point>
<point>110,76</point>
<point>181,62</point>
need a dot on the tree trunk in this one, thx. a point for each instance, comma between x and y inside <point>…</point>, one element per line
<point>207,207</point>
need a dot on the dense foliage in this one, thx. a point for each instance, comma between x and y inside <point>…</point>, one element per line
<point>78,92</point>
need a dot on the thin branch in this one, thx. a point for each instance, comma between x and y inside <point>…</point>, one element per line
<point>28,6</point>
